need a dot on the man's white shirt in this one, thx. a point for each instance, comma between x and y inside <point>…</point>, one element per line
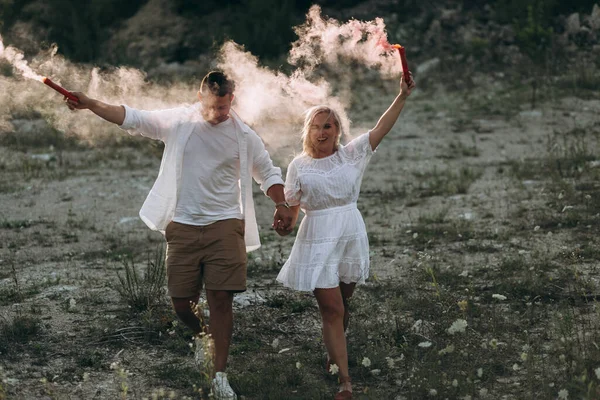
<point>174,127</point>
<point>210,189</point>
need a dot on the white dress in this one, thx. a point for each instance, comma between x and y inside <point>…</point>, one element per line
<point>331,245</point>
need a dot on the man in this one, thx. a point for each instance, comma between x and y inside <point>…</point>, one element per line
<point>202,202</point>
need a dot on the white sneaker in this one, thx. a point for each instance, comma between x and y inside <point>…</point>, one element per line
<point>221,389</point>
<point>199,356</point>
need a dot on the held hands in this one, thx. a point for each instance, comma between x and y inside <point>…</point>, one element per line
<point>406,89</point>
<point>282,220</point>
<point>83,103</point>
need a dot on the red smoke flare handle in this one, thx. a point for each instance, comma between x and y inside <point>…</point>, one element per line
<point>60,89</point>
<point>405,71</point>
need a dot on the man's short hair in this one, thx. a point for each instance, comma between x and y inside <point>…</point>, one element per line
<point>217,83</point>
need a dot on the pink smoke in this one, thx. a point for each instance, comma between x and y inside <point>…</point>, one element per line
<point>273,102</point>
<point>329,41</point>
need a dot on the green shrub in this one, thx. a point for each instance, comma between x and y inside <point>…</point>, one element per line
<point>143,291</point>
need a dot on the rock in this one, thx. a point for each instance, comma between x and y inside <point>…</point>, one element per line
<point>506,34</point>
<point>594,19</point>
<point>531,114</point>
<point>572,24</point>
<point>126,220</point>
<point>245,299</point>
<point>450,18</point>
<point>44,157</point>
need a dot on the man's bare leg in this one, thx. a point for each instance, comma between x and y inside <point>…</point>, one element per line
<point>183,309</point>
<point>220,304</point>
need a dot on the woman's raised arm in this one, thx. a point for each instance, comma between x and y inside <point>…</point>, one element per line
<point>389,117</point>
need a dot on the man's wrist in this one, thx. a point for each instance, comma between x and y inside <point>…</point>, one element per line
<point>282,204</point>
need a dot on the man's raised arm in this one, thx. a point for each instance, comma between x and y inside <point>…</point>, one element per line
<point>109,112</point>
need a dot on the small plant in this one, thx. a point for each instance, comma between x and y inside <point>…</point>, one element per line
<point>457,149</point>
<point>2,391</point>
<point>204,347</point>
<point>143,291</point>
<point>121,375</point>
<point>14,334</point>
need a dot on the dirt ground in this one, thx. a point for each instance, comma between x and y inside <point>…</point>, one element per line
<point>65,228</point>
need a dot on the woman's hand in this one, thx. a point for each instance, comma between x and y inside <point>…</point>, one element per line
<point>406,89</point>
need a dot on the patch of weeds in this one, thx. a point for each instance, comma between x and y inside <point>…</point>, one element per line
<point>523,277</point>
<point>528,169</point>
<point>569,154</point>
<point>458,149</point>
<point>462,124</point>
<point>395,193</point>
<point>445,182</point>
<point>33,131</point>
<point>10,296</point>
<point>83,222</point>
<point>15,334</point>
<point>162,327</point>
<point>16,293</point>
<point>401,329</point>
<point>480,247</point>
<point>17,224</point>
<point>494,103</point>
<point>25,223</point>
<point>376,239</point>
<point>275,377</point>
<point>70,237</point>
<point>267,236</point>
<point>567,219</point>
<point>586,252</point>
<point>585,82</point>
<point>177,375</point>
<point>428,234</point>
<point>142,291</point>
<point>42,239</point>
<point>246,344</point>
<point>10,187</point>
<point>90,359</point>
<point>114,253</point>
<point>41,353</point>
<point>32,168</point>
<point>292,303</point>
<point>434,217</point>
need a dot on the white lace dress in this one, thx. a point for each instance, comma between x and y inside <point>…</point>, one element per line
<point>331,245</point>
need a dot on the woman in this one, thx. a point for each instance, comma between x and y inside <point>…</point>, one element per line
<point>331,252</point>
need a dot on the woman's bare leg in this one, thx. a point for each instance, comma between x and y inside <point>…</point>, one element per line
<point>347,290</point>
<point>331,306</point>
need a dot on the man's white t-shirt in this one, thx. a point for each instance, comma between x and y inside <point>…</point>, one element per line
<point>210,175</point>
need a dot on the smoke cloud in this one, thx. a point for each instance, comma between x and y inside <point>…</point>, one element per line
<point>331,42</point>
<point>272,102</point>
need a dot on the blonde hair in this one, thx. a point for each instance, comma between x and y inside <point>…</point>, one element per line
<point>310,115</point>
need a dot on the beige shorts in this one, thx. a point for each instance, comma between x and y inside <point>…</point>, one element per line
<point>213,255</point>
